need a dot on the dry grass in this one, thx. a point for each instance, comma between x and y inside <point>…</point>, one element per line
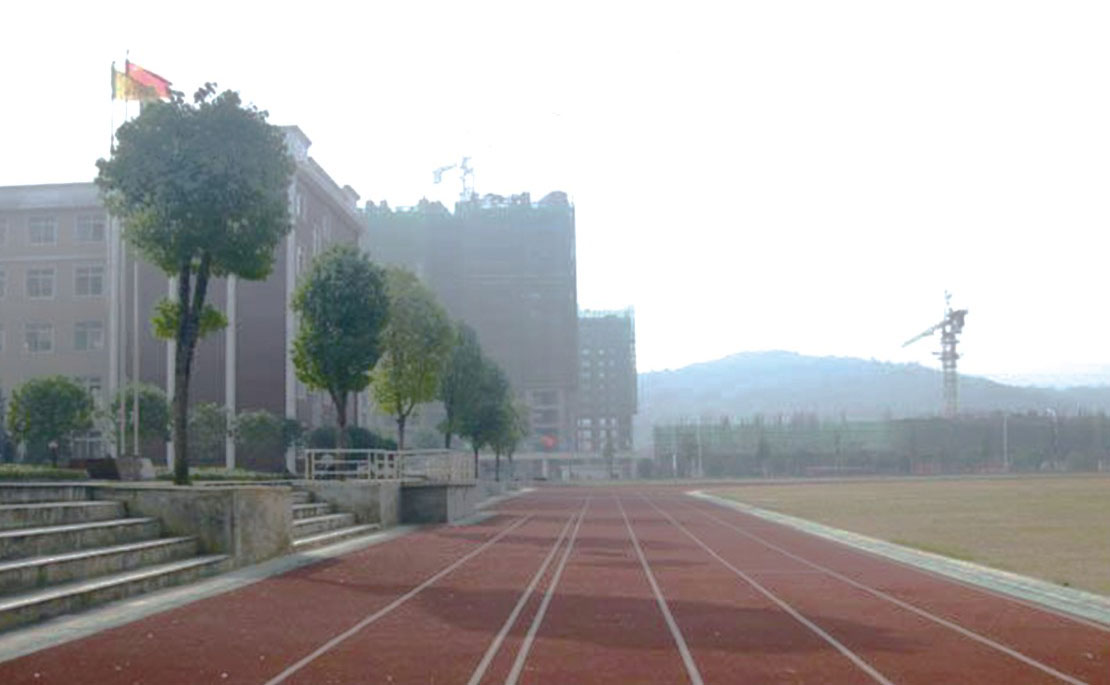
<point>1054,528</point>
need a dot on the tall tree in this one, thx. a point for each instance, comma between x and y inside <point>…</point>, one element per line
<point>415,344</point>
<point>461,374</point>
<point>48,409</point>
<point>483,418</point>
<point>343,307</point>
<point>202,190</point>
<point>512,426</point>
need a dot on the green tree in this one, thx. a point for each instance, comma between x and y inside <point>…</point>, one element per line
<point>202,190</point>
<point>208,430</point>
<point>154,413</point>
<point>460,377</point>
<point>483,419</point>
<point>513,425</point>
<point>415,344</point>
<point>48,409</point>
<point>343,307</point>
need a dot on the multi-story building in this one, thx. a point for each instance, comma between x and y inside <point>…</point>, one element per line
<point>607,380</point>
<point>54,294</point>
<point>68,304</point>
<point>506,266</point>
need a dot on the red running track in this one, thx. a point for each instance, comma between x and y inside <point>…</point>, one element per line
<point>593,585</point>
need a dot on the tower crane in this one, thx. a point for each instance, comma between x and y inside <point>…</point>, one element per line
<point>950,328</point>
<point>466,175</point>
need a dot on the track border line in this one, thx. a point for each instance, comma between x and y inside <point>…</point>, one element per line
<point>966,632</point>
<point>495,645</point>
<point>782,604</point>
<point>526,646</point>
<point>1080,606</point>
<point>327,646</point>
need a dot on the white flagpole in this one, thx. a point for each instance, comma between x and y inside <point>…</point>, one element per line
<point>135,357</point>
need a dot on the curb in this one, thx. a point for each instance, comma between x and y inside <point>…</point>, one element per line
<point>1079,604</point>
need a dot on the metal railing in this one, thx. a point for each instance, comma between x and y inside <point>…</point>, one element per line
<point>439,466</point>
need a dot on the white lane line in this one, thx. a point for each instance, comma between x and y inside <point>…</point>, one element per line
<point>894,600</point>
<point>491,652</point>
<point>526,646</point>
<point>687,658</point>
<point>852,656</point>
<point>281,677</point>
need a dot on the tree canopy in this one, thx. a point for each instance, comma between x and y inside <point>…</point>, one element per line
<point>343,307</point>
<point>202,191</point>
<point>460,378</point>
<point>415,345</point>
<point>46,409</point>
<point>484,419</point>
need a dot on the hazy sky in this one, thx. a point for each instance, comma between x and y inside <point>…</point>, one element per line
<point>808,176</point>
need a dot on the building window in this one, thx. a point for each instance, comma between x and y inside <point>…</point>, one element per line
<point>90,281</point>
<point>88,335</point>
<point>39,338</point>
<point>40,283</point>
<point>90,228</point>
<point>42,230</point>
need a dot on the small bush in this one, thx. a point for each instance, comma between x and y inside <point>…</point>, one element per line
<point>358,438</point>
<point>32,472</point>
<point>214,474</point>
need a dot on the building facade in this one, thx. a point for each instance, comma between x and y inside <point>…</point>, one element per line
<point>75,301</point>
<point>607,398</point>
<point>505,266</point>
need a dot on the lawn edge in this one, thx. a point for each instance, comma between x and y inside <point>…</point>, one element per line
<point>1070,602</point>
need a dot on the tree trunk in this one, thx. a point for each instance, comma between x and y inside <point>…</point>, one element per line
<point>340,401</point>
<point>497,466</point>
<point>475,463</point>
<point>401,431</point>
<point>448,425</point>
<point>190,305</point>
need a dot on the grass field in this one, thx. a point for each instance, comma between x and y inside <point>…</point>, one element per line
<point>1054,528</point>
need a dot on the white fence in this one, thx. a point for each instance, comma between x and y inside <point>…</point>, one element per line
<point>439,466</point>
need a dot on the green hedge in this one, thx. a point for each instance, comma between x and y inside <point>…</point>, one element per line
<point>39,472</point>
<point>216,473</point>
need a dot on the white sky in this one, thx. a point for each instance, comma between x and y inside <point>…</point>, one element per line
<point>807,176</point>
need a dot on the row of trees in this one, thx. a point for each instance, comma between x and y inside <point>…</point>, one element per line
<point>201,190</point>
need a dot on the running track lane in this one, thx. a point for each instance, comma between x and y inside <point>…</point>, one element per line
<point>252,634</point>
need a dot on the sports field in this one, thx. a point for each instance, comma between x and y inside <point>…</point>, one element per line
<point>1053,528</point>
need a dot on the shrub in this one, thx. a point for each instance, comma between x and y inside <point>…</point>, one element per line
<point>358,438</point>
<point>33,472</point>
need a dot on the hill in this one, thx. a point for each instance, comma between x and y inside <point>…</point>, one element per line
<point>775,382</point>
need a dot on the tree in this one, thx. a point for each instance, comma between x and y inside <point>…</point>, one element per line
<point>415,344</point>
<point>208,430</point>
<point>513,425</point>
<point>202,190</point>
<point>343,307</point>
<point>460,378</point>
<point>483,419</point>
<point>48,409</point>
<point>154,413</point>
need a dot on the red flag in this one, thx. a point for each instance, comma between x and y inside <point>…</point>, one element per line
<point>157,84</point>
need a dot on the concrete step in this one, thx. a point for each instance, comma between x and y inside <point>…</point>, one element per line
<point>38,514</point>
<point>319,524</point>
<point>301,496</point>
<point>35,542</point>
<point>60,599</point>
<point>310,510</point>
<point>27,574</point>
<point>332,536</point>
<point>25,493</point>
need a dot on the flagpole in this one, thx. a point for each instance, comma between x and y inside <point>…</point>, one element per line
<point>135,357</point>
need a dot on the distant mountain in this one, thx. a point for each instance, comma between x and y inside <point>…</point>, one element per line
<point>772,382</point>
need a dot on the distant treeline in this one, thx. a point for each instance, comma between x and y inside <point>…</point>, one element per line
<point>803,445</point>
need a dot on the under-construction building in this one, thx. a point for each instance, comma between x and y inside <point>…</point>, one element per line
<point>505,266</point>
<point>607,381</point>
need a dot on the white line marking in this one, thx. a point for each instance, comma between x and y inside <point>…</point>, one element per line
<point>852,656</point>
<point>392,605</point>
<point>687,658</point>
<point>526,646</point>
<point>905,605</point>
<point>480,671</point>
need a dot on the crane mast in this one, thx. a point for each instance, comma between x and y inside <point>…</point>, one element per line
<point>950,328</point>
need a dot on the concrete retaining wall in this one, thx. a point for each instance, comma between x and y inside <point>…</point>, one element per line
<point>444,503</point>
<point>250,523</point>
<point>370,501</point>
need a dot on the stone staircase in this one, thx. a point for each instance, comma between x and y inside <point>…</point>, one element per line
<point>316,524</point>
<point>61,552</point>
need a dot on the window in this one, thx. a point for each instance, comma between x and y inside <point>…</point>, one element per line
<point>39,338</point>
<point>88,335</point>
<point>40,283</point>
<point>90,281</point>
<point>90,228</point>
<point>42,230</point>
